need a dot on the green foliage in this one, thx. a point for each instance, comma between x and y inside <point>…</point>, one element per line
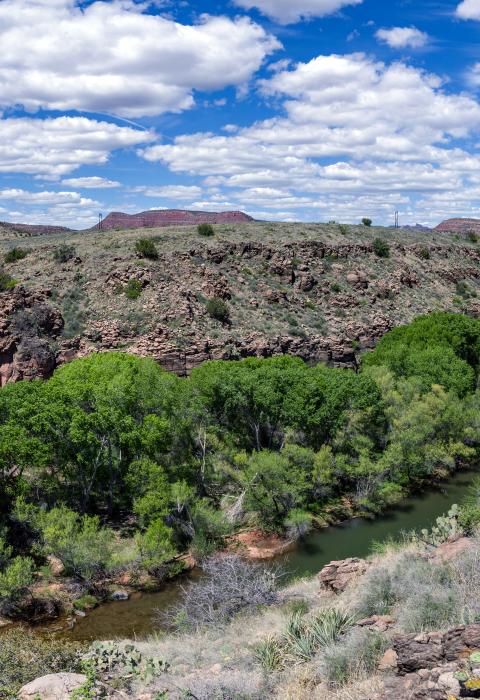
<point>133,289</point>
<point>205,230</point>
<point>367,222</point>
<point>6,281</point>
<point>472,236</point>
<point>424,254</point>
<point>15,254</point>
<point>127,662</point>
<point>155,545</point>
<point>446,527</point>
<point>381,248</point>
<point>469,515</point>
<point>218,309</point>
<point>16,578</point>
<point>146,248</point>
<point>64,253</point>
<point>343,229</point>
<point>358,655</point>
<point>25,656</point>
<point>82,545</point>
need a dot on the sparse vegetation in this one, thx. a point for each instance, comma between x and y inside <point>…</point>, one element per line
<point>218,309</point>
<point>367,222</point>
<point>381,248</point>
<point>205,230</point>
<point>6,281</point>
<point>64,253</point>
<point>146,248</point>
<point>133,289</point>
<point>15,254</point>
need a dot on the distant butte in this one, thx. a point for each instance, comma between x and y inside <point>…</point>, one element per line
<point>171,217</point>
<point>459,225</point>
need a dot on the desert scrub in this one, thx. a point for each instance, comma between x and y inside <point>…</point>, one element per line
<point>133,289</point>
<point>63,253</point>
<point>205,230</point>
<point>355,656</point>
<point>25,656</point>
<point>146,248</point>
<point>381,248</point>
<point>367,222</point>
<point>73,311</point>
<point>6,281</point>
<point>15,254</point>
<point>218,309</point>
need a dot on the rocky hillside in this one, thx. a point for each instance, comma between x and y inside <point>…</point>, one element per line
<point>170,217</point>
<point>460,226</point>
<point>320,292</point>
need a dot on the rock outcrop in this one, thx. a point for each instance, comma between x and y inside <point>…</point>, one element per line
<point>338,574</point>
<point>171,217</point>
<point>55,686</point>
<point>459,225</point>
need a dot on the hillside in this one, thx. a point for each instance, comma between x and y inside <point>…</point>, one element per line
<point>460,226</point>
<point>312,290</point>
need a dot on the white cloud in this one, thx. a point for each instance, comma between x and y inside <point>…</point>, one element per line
<point>181,192</point>
<point>113,57</point>
<point>469,9</point>
<point>91,183</point>
<point>54,147</point>
<point>290,11</point>
<point>46,197</point>
<point>401,37</point>
<point>357,136</point>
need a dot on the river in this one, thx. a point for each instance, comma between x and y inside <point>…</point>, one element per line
<point>133,618</point>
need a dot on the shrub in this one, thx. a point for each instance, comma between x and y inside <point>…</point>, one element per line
<point>133,289</point>
<point>472,236</point>
<point>424,253</point>
<point>6,281</point>
<point>469,517</point>
<point>146,248</point>
<point>229,585</point>
<point>16,254</point>
<point>25,656</point>
<point>335,288</point>
<point>357,655</point>
<point>63,253</point>
<point>367,222</point>
<point>218,309</point>
<point>15,579</point>
<point>343,229</point>
<point>381,248</point>
<point>205,230</point>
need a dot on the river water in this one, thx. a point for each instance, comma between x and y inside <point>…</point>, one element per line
<point>133,619</point>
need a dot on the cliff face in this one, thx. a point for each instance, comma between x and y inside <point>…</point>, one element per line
<point>459,225</point>
<point>170,217</point>
<point>307,290</point>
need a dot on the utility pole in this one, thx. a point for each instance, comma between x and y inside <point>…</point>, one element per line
<point>100,221</point>
<point>397,219</point>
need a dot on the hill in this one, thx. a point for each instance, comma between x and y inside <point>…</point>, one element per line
<point>460,226</point>
<point>319,292</point>
<point>170,217</point>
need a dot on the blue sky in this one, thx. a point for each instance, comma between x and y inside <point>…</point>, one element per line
<point>310,110</point>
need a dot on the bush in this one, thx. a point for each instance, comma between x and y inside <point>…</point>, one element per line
<point>229,585</point>
<point>469,517</point>
<point>424,254</point>
<point>205,230</point>
<point>218,309</point>
<point>472,237</point>
<point>146,248</point>
<point>367,222</point>
<point>63,253</point>
<point>133,289</point>
<point>343,229</point>
<point>16,254</point>
<point>357,655</point>
<point>381,248</point>
<point>25,656</point>
<point>6,282</point>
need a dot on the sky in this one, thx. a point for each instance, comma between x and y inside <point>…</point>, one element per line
<point>289,110</point>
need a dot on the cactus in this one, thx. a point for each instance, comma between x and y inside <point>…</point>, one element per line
<point>108,657</point>
<point>446,526</point>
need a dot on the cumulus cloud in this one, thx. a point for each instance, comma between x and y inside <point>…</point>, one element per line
<point>91,183</point>
<point>357,136</point>
<point>469,9</point>
<point>180,192</point>
<point>401,37</point>
<point>114,57</point>
<point>54,147</point>
<point>288,12</point>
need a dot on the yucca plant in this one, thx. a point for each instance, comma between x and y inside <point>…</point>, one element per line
<point>268,653</point>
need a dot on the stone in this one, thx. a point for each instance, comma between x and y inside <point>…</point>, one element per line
<point>417,652</point>
<point>450,683</point>
<point>120,595</point>
<point>338,574</point>
<point>388,661</point>
<point>55,686</point>
<point>55,565</point>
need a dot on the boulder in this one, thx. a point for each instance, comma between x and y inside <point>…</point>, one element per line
<point>418,651</point>
<point>55,686</point>
<point>120,595</point>
<point>337,575</point>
